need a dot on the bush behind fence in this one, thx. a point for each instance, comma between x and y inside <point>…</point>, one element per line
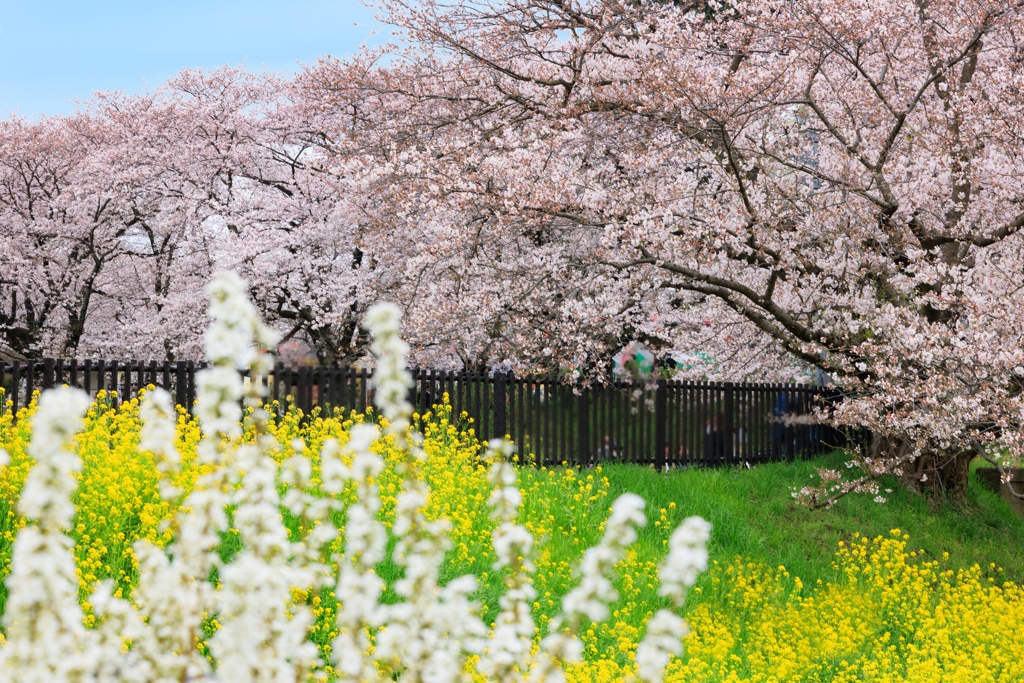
<point>668,423</point>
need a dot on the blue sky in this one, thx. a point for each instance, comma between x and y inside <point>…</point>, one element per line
<point>52,52</point>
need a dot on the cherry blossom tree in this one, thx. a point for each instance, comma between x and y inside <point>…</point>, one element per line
<point>842,179</point>
<point>113,218</point>
<point>65,221</point>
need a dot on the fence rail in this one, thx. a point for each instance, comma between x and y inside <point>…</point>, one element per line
<point>669,423</point>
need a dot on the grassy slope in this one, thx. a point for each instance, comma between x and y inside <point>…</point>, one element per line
<point>754,516</point>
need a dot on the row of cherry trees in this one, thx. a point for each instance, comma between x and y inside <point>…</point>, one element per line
<point>113,218</point>
<point>774,183</point>
<point>329,191</point>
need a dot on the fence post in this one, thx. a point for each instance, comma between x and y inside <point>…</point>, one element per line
<point>500,419</point>
<point>30,380</point>
<point>115,387</point>
<point>190,397</point>
<point>276,383</point>
<point>660,417</point>
<point>583,425</point>
<point>15,386</point>
<point>126,381</point>
<point>180,388</point>
<point>417,394</point>
<point>730,405</point>
<point>47,373</point>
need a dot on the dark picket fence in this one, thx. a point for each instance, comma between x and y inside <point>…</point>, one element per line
<point>669,423</point>
<point>20,379</point>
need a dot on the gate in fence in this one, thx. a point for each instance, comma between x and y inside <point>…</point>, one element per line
<point>669,423</point>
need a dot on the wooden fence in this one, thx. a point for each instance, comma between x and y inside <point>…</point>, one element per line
<point>667,424</point>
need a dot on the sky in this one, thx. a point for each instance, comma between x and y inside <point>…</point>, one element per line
<point>53,52</point>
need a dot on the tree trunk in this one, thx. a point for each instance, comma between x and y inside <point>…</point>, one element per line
<point>940,474</point>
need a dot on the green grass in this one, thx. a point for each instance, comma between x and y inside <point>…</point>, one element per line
<point>755,516</point>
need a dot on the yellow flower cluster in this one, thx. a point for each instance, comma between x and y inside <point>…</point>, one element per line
<point>117,501</point>
<point>892,615</point>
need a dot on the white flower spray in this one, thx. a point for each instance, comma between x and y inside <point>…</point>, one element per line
<point>158,436</point>
<point>312,511</point>
<point>119,625</point>
<point>507,653</point>
<point>687,558</point>
<point>391,379</point>
<point>174,593</point>
<point>46,637</point>
<point>263,633</point>
<point>590,599</point>
<point>358,587</point>
<point>428,635</point>
<point>167,593</point>
<point>220,391</point>
<point>257,637</point>
<point>173,602</point>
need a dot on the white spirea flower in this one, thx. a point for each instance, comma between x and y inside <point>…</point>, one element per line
<point>296,473</point>
<point>365,536</point>
<point>232,341</point>
<point>120,623</point>
<point>334,473</point>
<point>391,380</point>
<point>236,330</point>
<point>430,633</point>
<point>262,637</point>
<point>663,639</point>
<point>312,510</point>
<point>173,602</point>
<point>46,638</point>
<point>46,497</point>
<point>158,436</point>
<point>687,558</point>
<point>556,650</point>
<point>262,634</point>
<point>508,649</point>
<point>358,587</point>
<point>173,594</point>
<point>219,392</point>
<point>590,599</point>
